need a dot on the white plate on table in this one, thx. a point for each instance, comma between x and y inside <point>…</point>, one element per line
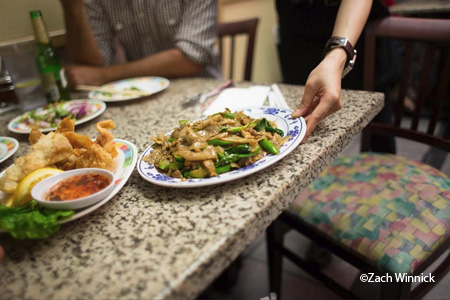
<point>152,85</point>
<point>8,146</point>
<point>96,108</point>
<point>125,160</point>
<point>296,128</point>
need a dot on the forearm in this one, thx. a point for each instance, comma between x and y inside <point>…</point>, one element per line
<point>350,21</point>
<point>81,46</point>
<point>351,18</point>
<point>169,63</point>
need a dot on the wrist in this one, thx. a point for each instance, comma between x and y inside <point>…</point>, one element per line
<point>336,42</point>
<point>336,57</point>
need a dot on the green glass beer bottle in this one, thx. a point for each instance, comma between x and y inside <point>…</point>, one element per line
<point>48,63</point>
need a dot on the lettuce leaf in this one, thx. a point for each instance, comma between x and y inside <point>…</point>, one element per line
<point>32,221</point>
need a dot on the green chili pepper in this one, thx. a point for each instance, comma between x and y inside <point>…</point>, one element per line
<point>182,122</point>
<point>268,146</point>
<point>172,139</point>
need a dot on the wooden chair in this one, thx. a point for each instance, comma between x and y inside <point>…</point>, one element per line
<point>382,213</point>
<point>232,30</point>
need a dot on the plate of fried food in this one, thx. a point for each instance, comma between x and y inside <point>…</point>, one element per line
<point>222,147</point>
<point>130,89</point>
<point>47,118</point>
<point>51,154</point>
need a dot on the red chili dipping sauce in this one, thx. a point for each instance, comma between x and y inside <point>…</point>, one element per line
<point>77,187</point>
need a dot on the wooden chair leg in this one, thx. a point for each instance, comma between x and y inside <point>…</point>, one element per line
<point>395,290</point>
<point>275,235</point>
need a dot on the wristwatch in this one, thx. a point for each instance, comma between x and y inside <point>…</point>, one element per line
<point>343,42</point>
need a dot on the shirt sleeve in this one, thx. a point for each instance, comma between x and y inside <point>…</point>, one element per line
<point>101,29</point>
<point>197,31</point>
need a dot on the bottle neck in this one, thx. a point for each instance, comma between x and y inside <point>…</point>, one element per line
<point>40,32</point>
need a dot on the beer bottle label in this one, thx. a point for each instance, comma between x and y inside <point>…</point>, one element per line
<point>50,87</point>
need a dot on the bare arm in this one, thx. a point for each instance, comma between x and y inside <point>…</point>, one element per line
<point>81,46</point>
<point>322,94</point>
<point>169,63</point>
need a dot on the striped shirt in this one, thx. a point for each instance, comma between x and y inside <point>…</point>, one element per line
<point>146,27</point>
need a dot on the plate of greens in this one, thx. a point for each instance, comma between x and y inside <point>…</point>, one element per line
<point>148,84</point>
<point>31,221</point>
<point>221,147</point>
<point>47,118</point>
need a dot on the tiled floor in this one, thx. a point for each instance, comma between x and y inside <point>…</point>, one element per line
<point>297,284</point>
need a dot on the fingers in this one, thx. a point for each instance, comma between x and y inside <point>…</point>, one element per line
<point>308,96</point>
<point>324,107</point>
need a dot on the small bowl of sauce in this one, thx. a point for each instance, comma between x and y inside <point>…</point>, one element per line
<point>74,189</point>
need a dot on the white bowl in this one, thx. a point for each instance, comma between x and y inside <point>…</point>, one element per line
<point>40,190</point>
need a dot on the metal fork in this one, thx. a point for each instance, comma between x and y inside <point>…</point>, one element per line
<point>200,98</point>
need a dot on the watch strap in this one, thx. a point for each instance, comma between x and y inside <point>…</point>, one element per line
<point>344,43</point>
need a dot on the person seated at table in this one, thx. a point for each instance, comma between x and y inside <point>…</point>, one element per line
<point>305,26</point>
<point>160,38</point>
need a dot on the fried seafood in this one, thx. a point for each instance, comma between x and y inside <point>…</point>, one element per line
<point>65,150</point>
<point>215,145</point>
<point>48,150</point>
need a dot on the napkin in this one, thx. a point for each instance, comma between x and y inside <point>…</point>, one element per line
<point>238,98</point>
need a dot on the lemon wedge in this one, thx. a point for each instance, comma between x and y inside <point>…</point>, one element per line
<point>23,191</point>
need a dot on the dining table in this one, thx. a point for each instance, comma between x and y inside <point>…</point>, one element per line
<point>157,242</point>
<point>420,7</point>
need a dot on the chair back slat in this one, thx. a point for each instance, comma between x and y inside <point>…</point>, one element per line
<point>423,84</point>
<point>442,93</point>
<point>232,56</point>
<point>406,70</point>
<point>232,30</point>
<point>432,95</point>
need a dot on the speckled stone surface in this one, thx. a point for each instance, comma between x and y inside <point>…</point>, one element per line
<point>415,7</point>
<point>153,242</point>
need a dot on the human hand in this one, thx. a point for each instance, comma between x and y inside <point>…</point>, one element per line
<point>322,93</point>
<point>78,75</point>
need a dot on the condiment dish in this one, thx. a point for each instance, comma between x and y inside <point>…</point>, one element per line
<point>73,181</point>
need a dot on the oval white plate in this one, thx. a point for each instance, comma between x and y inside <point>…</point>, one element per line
<point>296,128</point>
<point>8,146</point>
<point>98,107</point>
<point>152,85</point>
<point>126,161</point>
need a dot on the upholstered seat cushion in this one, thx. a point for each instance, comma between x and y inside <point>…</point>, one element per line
<point>392,210</point>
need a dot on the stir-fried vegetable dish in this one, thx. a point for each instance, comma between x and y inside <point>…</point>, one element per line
<point>215,145</point>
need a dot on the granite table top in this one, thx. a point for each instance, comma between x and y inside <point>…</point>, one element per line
<point>165,243</point>
<point>420,7</point>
